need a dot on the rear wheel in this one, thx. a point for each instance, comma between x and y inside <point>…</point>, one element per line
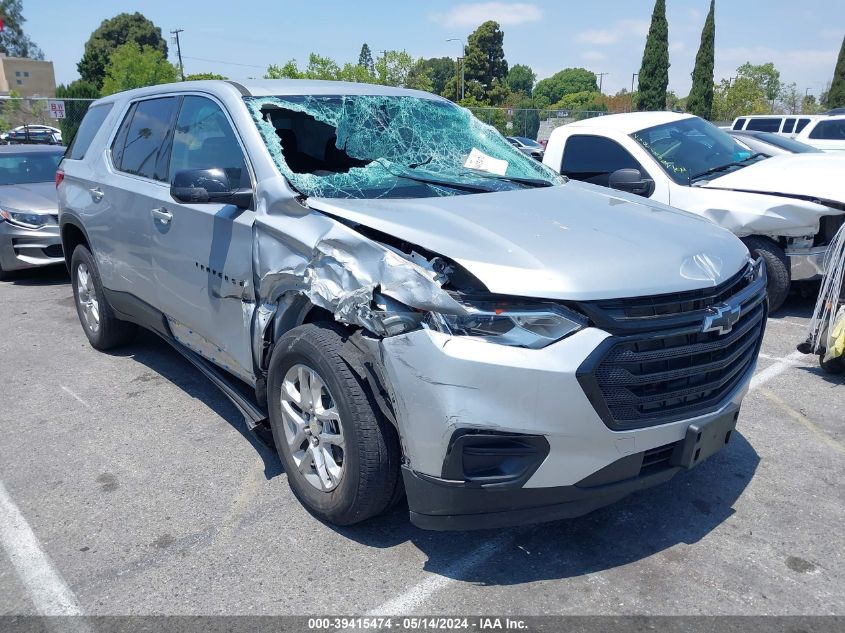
<point>777,268</point>
<point>341,456</point>
<point>834,365</point>
<point>103,329</point>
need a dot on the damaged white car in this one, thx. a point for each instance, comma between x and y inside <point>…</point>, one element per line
<point>786,208</point>
<point>410,303</point>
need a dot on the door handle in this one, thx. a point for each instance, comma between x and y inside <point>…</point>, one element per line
<point>96,193</point>
<point>162,215</point>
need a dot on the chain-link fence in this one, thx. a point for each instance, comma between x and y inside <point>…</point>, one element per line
<point>41,121</point>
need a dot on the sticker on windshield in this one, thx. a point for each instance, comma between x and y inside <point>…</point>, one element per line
<point>482,162</point>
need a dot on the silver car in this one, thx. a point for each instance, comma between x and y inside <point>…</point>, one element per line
<point>406,300</point>
<point>29,228</point>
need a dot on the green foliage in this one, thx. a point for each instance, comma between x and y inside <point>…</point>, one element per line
<point>365,59</point>
<point>790,98</point>
<point>13,41</point>
<point>75,110</point>
<point>742,96</point>
<point>562,83</point>
<point>438,69</point>
<point>355,72</point>
<point>764,76</point>
<point>586,101</point>
<point>203,76</point>
<point>654,71</point>
<point>809,105</point>
<point>700,100</point>
<point>131,66</point>
<point>526,119</point>
<point>320,67</point>
<point>112,34</point>
<point>288,71</point>
<point>393,68</point>
<point>521,79</point>
<point>485,57</point>
<point>836,94</point>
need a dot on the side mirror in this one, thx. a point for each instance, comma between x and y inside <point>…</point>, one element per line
<point>203,186</point>
<point>632,181</point>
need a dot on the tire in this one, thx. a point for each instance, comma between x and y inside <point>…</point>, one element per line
<point>833,366</point>
<point>105,331</point>
<point>369,474</point>
<point>777,268</point>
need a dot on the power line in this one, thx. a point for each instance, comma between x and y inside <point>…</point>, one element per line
<point>220,61</point>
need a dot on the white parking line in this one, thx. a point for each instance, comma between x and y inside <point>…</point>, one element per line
<point>414,597</point>
<point>48,591</point>
<point>780,366</point>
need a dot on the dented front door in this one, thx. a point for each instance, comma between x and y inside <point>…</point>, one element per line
<point>202,253</point>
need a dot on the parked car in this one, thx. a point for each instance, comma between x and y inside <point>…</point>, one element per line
<point>826,134</point>
<point>33,134</point>
<point>29,229</point>
<point>771,144</point>
<point>786,124</point>
<point>409,298</point>
<point>527,146</point>
<point>785,208</point>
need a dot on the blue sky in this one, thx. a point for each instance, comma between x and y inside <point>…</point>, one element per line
<point>801,38</point>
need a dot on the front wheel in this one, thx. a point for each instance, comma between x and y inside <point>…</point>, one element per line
<point>103,329</point>
<point>777,268</point>
<point>340,455</point>
<point>833,366</point>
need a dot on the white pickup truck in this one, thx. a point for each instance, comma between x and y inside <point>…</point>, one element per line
<point>785,208</point>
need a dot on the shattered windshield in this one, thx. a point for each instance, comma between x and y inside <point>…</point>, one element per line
<point>389,147</point>
<point>692,148</point>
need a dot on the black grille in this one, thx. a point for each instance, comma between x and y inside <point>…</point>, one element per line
<point>660,366</point>
<point>54,250</point>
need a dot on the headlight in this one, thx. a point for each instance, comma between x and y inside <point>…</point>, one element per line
<point>531,326</point>
<point>26,219</point>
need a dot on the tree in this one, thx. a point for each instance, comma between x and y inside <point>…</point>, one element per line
<point>203,76</point>
<point>521,79</point>
<point>567,81</point>
<point>13,41</point>
<point>320,67</point>
<point>790,98</point>
<point>439,70</point>
<point>526,119</point>
<point>484,59</point>
<point>765,77</point>
<point>355,72</point>
<point>288,71</point>
<point>75,110</point>
<point>393,68</point>
<point>654,71</point>
<point>743,95</point>
<point>365,59</point>
<point>700,100</point>
<point>132,66</point>
<point>110,35</point>
<point>809,105</point>
<point>836,93</point>
<point>587,101</point>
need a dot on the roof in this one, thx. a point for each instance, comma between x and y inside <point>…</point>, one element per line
<point>276,87</point>
<point>630,122</point>
<point>31,148</point>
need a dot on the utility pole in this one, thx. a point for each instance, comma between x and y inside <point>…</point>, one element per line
<point>462,60</point>
<point>175,34</point>
<point>633,76</point>
<point>601,78</point>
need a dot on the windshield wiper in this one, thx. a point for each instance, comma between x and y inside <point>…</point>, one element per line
<point>719,168</point>
<point>531,182</point>
<point>403,173</point>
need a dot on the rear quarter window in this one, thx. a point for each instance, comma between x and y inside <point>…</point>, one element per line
<point>802,123</point>
<point>739,123</point>
<point>91,124</point>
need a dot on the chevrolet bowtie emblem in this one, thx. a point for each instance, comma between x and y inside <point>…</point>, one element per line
<point>721,318</point>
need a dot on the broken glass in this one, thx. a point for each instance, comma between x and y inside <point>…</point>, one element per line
<point>389,146</point>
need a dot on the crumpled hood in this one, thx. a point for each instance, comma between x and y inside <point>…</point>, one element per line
<point>39,196</point>
<point>812,175</point>
<point>575,241</point>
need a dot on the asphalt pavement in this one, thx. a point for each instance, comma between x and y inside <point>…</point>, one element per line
<point>130,485</point>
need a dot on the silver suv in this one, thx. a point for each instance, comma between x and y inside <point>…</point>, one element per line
<point>409,302</point>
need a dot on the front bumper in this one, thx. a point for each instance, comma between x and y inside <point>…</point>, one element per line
<point>28,248</point>
<point>442,385</point>
<point>807,264</point>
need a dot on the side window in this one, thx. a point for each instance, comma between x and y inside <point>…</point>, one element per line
<point>788,126</point>
<point>593,158</point>
<point>204,139</point>
<point>802,123</point>
<point>739,123</point>
<point>764,125</point>
<point>829,130</point>
<point>91,123</point>
<point>140,147</point>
